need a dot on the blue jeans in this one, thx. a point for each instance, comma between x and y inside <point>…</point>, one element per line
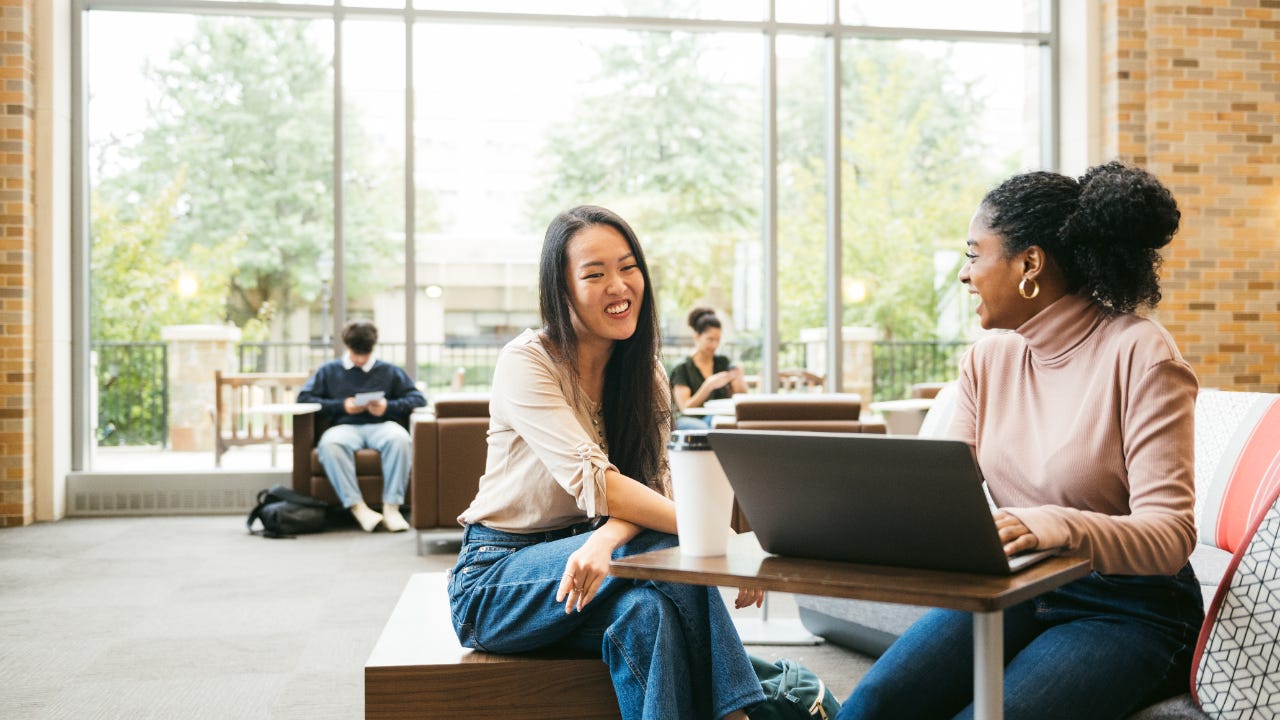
<point>337,450</point>
<point>1101,647</point>
<point>693,422</point>
<point>671,649</point>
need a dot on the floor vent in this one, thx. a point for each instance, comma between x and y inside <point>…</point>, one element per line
<point>97,494</point>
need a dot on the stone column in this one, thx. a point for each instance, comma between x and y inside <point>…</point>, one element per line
<point>857,359</point>
<point>195,352</point>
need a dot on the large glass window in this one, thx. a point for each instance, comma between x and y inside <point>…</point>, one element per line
<point>210,174</point>
<point>1007,15</point>
<point>232,225</point>
<point>927,128</point>
<point>701,9</point>
<point>661,127</point>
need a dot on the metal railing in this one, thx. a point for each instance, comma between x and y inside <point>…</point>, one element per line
<point>132,398</point>
<point>133,390</point>
<point>899,364</point>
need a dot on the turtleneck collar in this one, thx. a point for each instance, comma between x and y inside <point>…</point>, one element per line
<point>1054,332</point>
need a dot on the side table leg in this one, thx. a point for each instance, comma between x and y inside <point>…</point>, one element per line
<point>988,665</point>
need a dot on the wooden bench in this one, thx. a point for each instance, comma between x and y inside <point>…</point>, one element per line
<point>419,670</point>
<point>235,394</point>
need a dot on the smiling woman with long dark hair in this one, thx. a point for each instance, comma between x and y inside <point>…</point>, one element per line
<point>576,475</point>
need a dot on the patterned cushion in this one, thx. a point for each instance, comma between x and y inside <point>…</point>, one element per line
<point>1236,666</point>
<point>1237,462</point>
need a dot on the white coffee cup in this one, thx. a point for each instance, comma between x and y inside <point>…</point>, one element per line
<point>704,500</point>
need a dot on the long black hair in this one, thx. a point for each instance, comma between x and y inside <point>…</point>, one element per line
<point>634,408</point>
<point>1104,230</point>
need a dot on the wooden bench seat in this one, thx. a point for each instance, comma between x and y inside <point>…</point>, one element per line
<point>419,670</point>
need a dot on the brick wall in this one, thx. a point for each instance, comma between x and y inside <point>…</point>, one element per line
<point>17,252</point>
<point>1191,91</point>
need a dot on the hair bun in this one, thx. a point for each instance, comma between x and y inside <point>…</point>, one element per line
<point>1122,205</point>
<point>697,314</point>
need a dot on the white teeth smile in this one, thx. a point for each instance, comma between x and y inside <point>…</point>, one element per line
<point>618,308</point>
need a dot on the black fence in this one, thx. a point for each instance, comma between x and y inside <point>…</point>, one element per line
<point>133,391</point>
<point>898,365</point>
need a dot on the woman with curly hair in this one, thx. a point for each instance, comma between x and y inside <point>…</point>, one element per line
<point>1082,421</point>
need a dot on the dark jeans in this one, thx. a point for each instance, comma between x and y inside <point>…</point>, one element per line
<point>1101,647</point>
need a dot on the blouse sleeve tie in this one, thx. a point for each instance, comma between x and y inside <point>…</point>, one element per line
<point>591,491</point>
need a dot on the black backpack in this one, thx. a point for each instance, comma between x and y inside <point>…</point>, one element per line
<point>285,513</point>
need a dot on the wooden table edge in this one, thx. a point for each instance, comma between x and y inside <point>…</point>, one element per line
<point>970,592</point>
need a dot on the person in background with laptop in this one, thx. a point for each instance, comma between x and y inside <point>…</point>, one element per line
<point>1082,422</point>
<point>368,402</point>
<point>704,375</point>
<point>577,475</point>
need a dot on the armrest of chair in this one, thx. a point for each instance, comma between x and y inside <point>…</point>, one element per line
<point>464,449</point>
<point>425,488</point>
<point>304,441</point>
<point>458,405</point>
<point>790,407</point>
<point>830,426</point>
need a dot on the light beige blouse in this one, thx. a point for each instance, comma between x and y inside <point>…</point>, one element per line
<point>547,457</point>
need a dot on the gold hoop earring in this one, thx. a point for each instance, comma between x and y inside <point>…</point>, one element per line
<point>1022,288</point>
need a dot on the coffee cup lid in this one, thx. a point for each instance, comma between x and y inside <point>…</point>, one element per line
<point>689,440</point>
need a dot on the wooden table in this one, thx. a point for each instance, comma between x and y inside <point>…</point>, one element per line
<point>720,411</point>
<point>723,406</point>
<point>986,596</point>
<point>280,410</point>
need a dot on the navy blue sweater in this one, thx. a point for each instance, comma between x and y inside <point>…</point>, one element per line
<point>332,384</point>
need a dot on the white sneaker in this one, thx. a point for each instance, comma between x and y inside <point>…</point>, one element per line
<point>366,516</point>
<point>392,520</point>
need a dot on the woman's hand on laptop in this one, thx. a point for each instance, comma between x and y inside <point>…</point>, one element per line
<point>1015,536</point>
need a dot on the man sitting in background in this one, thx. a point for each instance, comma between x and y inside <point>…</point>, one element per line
<point>368,403</point>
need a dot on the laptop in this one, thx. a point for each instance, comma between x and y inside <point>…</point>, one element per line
<point>866,498</point>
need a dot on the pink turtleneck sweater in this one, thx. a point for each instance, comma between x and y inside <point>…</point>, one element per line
<point>1083,423</point>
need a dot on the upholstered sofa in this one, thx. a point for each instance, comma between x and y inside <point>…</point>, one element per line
<point>1237,450</point>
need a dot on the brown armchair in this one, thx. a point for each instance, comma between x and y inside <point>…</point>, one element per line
<point>449,452</point>
<point>308,474</point>
<point>813,412</point>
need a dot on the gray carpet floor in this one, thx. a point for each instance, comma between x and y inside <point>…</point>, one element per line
<point>190,617</point>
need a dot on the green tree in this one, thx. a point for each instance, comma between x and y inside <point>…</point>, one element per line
<point>674,150</point>
<point>138,289</point>
<point>677,152</point>
<point>245,119</point>
<point>136,285</point>
<point>912,171</point>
